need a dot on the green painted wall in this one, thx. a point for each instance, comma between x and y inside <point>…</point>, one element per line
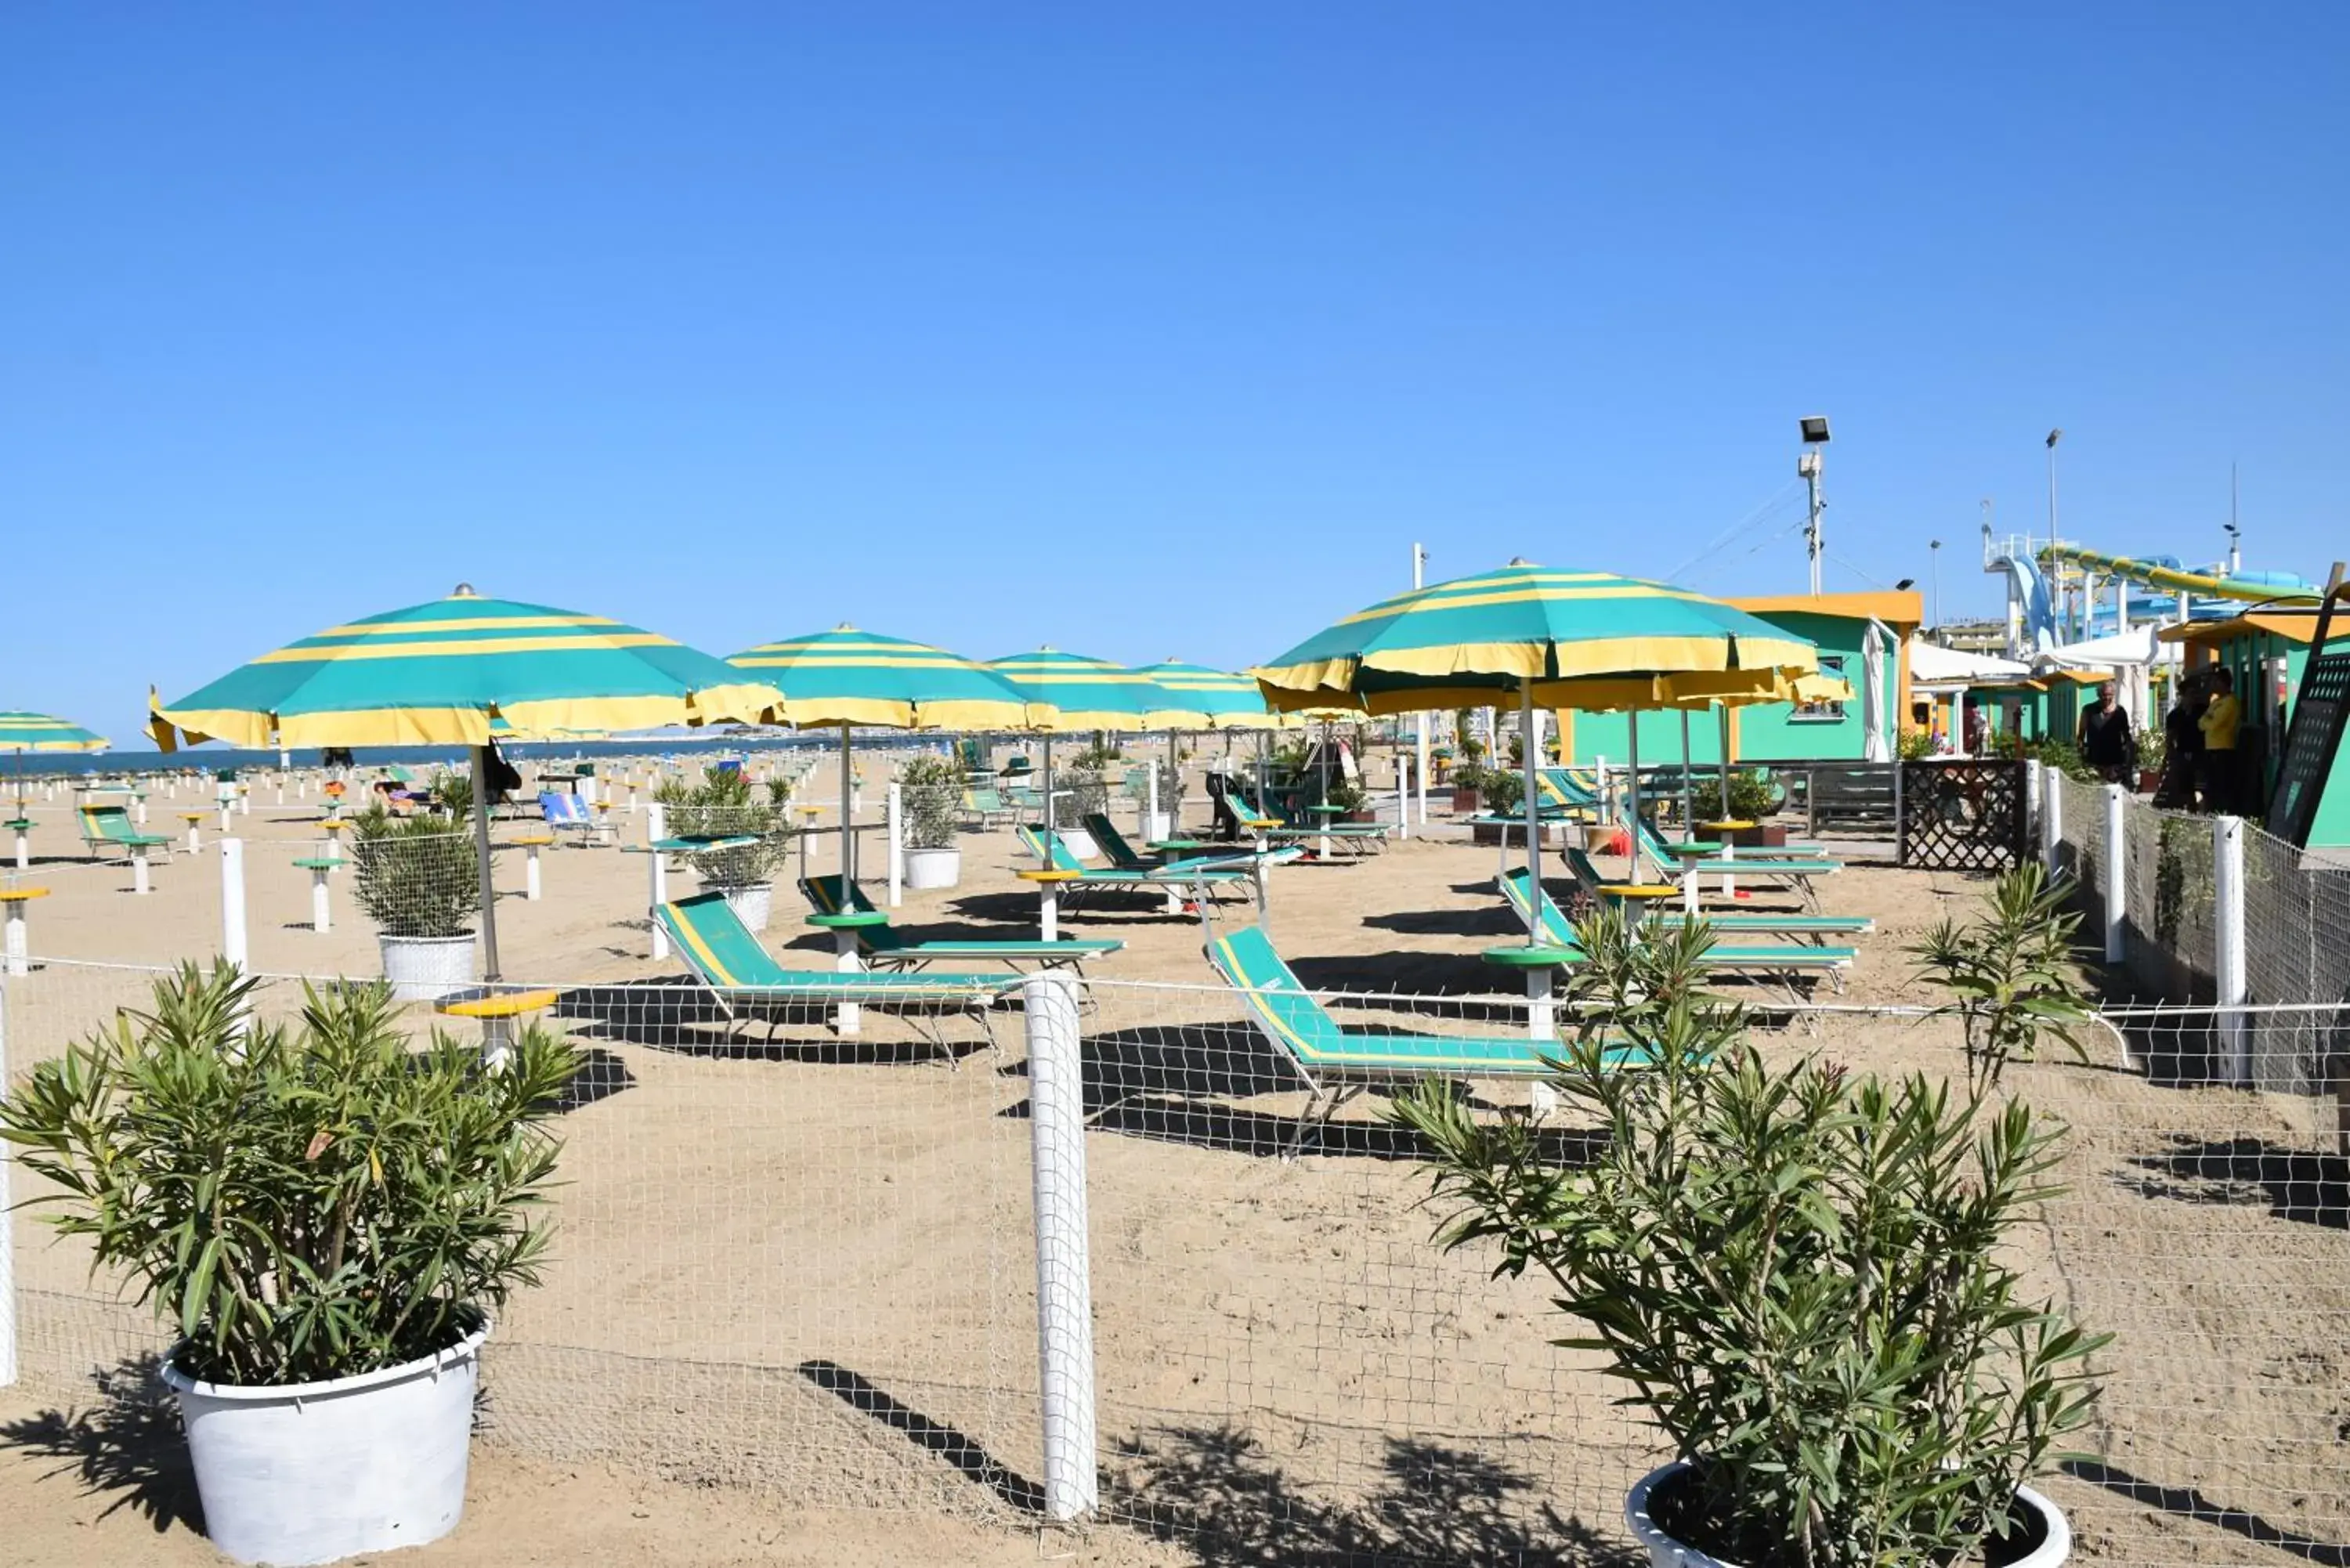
<point>1768,731</point>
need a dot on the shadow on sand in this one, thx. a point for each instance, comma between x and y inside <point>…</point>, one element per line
<point>128,1445</point>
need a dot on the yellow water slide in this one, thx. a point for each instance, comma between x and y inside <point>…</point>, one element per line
<point>2171,578</point>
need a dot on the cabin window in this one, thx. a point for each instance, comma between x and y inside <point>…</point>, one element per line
<point>1831,666</point>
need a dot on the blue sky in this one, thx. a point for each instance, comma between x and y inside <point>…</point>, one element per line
<point>1141,331</point>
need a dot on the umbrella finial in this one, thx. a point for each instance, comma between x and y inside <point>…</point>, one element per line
<point>1520,561</point>
<point>463,591</point>
<point>845,625</point>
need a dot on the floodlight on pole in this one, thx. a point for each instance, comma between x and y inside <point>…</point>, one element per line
<point>1934,561</point>
<point>1814,429</point>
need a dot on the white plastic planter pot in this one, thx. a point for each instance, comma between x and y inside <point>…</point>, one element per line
<point>753,903</point>
<point>308,1472</point>
<point>2049,1543</point>
<point>931,869</point>
<point>424,968</point>
<point>1157,825</point>
<point>1081,843</point>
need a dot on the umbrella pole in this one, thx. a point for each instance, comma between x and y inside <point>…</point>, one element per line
<point>1689,790</point>
<point>1533,841</point>
<point>1045,839</point>
<point>1722,713</point>
<point>482,854</point>
<point>848,824</point>
<point>1632,777</point>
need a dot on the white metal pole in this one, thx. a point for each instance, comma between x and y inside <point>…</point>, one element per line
<point>655,829</point>
<point>897,842</point>
<point>1527,745</point>
<point>233,941</point>
<point>2052,820</point>
<point>2117,845</point>
<point>19,952</point>
<point>321,916</point>
<point>1150,799</point>
<point>7,1226</point>
<point>1419,751</point>
<point>848,817</point>
<point>1403,796</point>
<point>1065,1319</point>
<point>139,883</point>
<point>2227,929</point>
<point>530,883</point>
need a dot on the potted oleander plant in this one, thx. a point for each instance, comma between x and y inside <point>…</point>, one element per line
<point>930,793</point>
<point>725,804</point>
<point>1753,798</point>
<point>1078,792</point>
<point>418,879</point>
<point>329,1220</point>
<point>1802,1275</point>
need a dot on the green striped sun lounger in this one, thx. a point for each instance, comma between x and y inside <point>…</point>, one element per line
<point>1803,927</point>
<point>1795,874</point>
<point>987,803</point>
<point>1203,876</point>
<point>1336,1063</point>
<point>1122,856</point>
<point>888,948</point>
<point>1785,963</point>
<point>110,828</point>
<point>745,980</point>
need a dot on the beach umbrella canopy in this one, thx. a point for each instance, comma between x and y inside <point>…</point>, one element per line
<point>21,733</point>
<point>1475,639</point>
<point>43,732</point>
<point>438,673</point>
<point>1088,693</point>
<point>848,677</point>
<point>1552,639</point>
<point>845,675</point>
<point>1213,699</point>
<point>435,674</point>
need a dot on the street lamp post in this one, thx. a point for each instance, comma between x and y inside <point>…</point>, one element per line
<point>1934,560</point>
<point>1419,759</point>
<point>1808,467</point>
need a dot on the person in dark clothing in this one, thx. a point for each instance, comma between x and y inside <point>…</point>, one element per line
<point>2104,738</point>
<point>2182,750</point>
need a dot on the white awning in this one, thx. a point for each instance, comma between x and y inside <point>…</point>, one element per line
<point>2136,646</point>
<point>1931,664</point>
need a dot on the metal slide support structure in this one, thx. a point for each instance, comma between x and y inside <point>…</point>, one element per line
<point>1064,1323</point>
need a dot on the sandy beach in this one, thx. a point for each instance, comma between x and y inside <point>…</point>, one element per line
<point>792,1315</point>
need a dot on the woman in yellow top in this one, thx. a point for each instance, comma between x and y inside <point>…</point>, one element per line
<point>2221,717</point>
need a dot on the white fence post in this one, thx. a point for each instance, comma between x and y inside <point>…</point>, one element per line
<point>1065,1319</point>
<point>897,842</point>
<point>7,1225</point>
<point>655,829</point>
<point>2117,884</point>
<point>1403,796</point>
<point>2052,820</point>
<point>232,942</point>
<point>2228,931</point>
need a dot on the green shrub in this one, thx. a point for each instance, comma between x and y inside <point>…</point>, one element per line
<point>725,804</point>
<point>930,792</point>
<point>301,1203</point>
<point>1798,1273</point>
<point>416,876</point>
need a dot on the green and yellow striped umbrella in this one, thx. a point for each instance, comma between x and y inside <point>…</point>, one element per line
<point>1550,639</point>
<point>1468,642</point>
<point>1213,699</point>
<point>1088,693</point>
<point>436,674</point>
<point>849,676</point>
<point>21,732</point>
<point>41,733</point>
<point>1085,694</point>
<point>441,673</point>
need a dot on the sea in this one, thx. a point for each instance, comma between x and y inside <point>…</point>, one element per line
<point>714,747</point>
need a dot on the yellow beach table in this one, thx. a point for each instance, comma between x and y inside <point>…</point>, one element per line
<point>21,733</point>
<point>847,677</point>
<point>443,672</point>
<point>1557,638</point>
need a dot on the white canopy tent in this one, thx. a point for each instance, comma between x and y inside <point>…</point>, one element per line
<point>2130,655</point>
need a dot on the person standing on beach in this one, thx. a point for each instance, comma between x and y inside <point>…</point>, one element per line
<point>2222,715</point>
<point>2104,738</point>
<point>2182,749</point>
